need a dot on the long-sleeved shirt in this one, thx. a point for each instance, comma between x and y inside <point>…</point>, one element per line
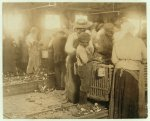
<point>69,47</point>
<point>83,54</point>
<point>128,53</point>
<point>30,40</point>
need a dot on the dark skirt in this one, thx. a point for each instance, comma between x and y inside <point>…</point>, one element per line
<point>126,94</point>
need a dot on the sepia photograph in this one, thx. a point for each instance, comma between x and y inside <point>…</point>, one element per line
<point>74,60</point>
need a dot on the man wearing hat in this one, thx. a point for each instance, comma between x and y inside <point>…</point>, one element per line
<point>72,80</point>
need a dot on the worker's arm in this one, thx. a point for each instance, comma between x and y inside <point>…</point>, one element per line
<point>114,56</point>
<point>69,49</point>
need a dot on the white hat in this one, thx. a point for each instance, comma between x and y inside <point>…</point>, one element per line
<point>82,24</point>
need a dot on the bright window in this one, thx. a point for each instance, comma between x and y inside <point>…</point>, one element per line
<point>13,23</point>
<point>81,17</point>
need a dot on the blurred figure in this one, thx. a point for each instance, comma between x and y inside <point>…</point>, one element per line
<point>24,55</point>
<point>103,44</point>
<point>127,56</point>
<point>21,54</point>
<point>57,45</point>
<point>9,62</point>
<point>92,31</point>
<point>72,80</point>
<point>33,50</point>
<point>84,55</point>
<point>117,24</point>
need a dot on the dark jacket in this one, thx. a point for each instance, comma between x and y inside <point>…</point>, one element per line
<point>58,46</point>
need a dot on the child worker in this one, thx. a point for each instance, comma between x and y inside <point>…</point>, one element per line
<point>84,54</point>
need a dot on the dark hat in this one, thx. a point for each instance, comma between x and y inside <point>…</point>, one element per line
<point>84,37</point>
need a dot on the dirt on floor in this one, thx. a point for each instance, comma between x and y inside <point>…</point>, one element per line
<point>51,104</point>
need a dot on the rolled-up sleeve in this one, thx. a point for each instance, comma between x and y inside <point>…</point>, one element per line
<point>69,45</point>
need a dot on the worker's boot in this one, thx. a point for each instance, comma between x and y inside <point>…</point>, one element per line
<point>83,98</point>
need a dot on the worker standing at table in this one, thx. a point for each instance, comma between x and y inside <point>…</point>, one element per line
<point>72,80</point>
<point>128,54</point>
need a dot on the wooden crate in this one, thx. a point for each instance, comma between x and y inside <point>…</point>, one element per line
<point>100,86</point>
